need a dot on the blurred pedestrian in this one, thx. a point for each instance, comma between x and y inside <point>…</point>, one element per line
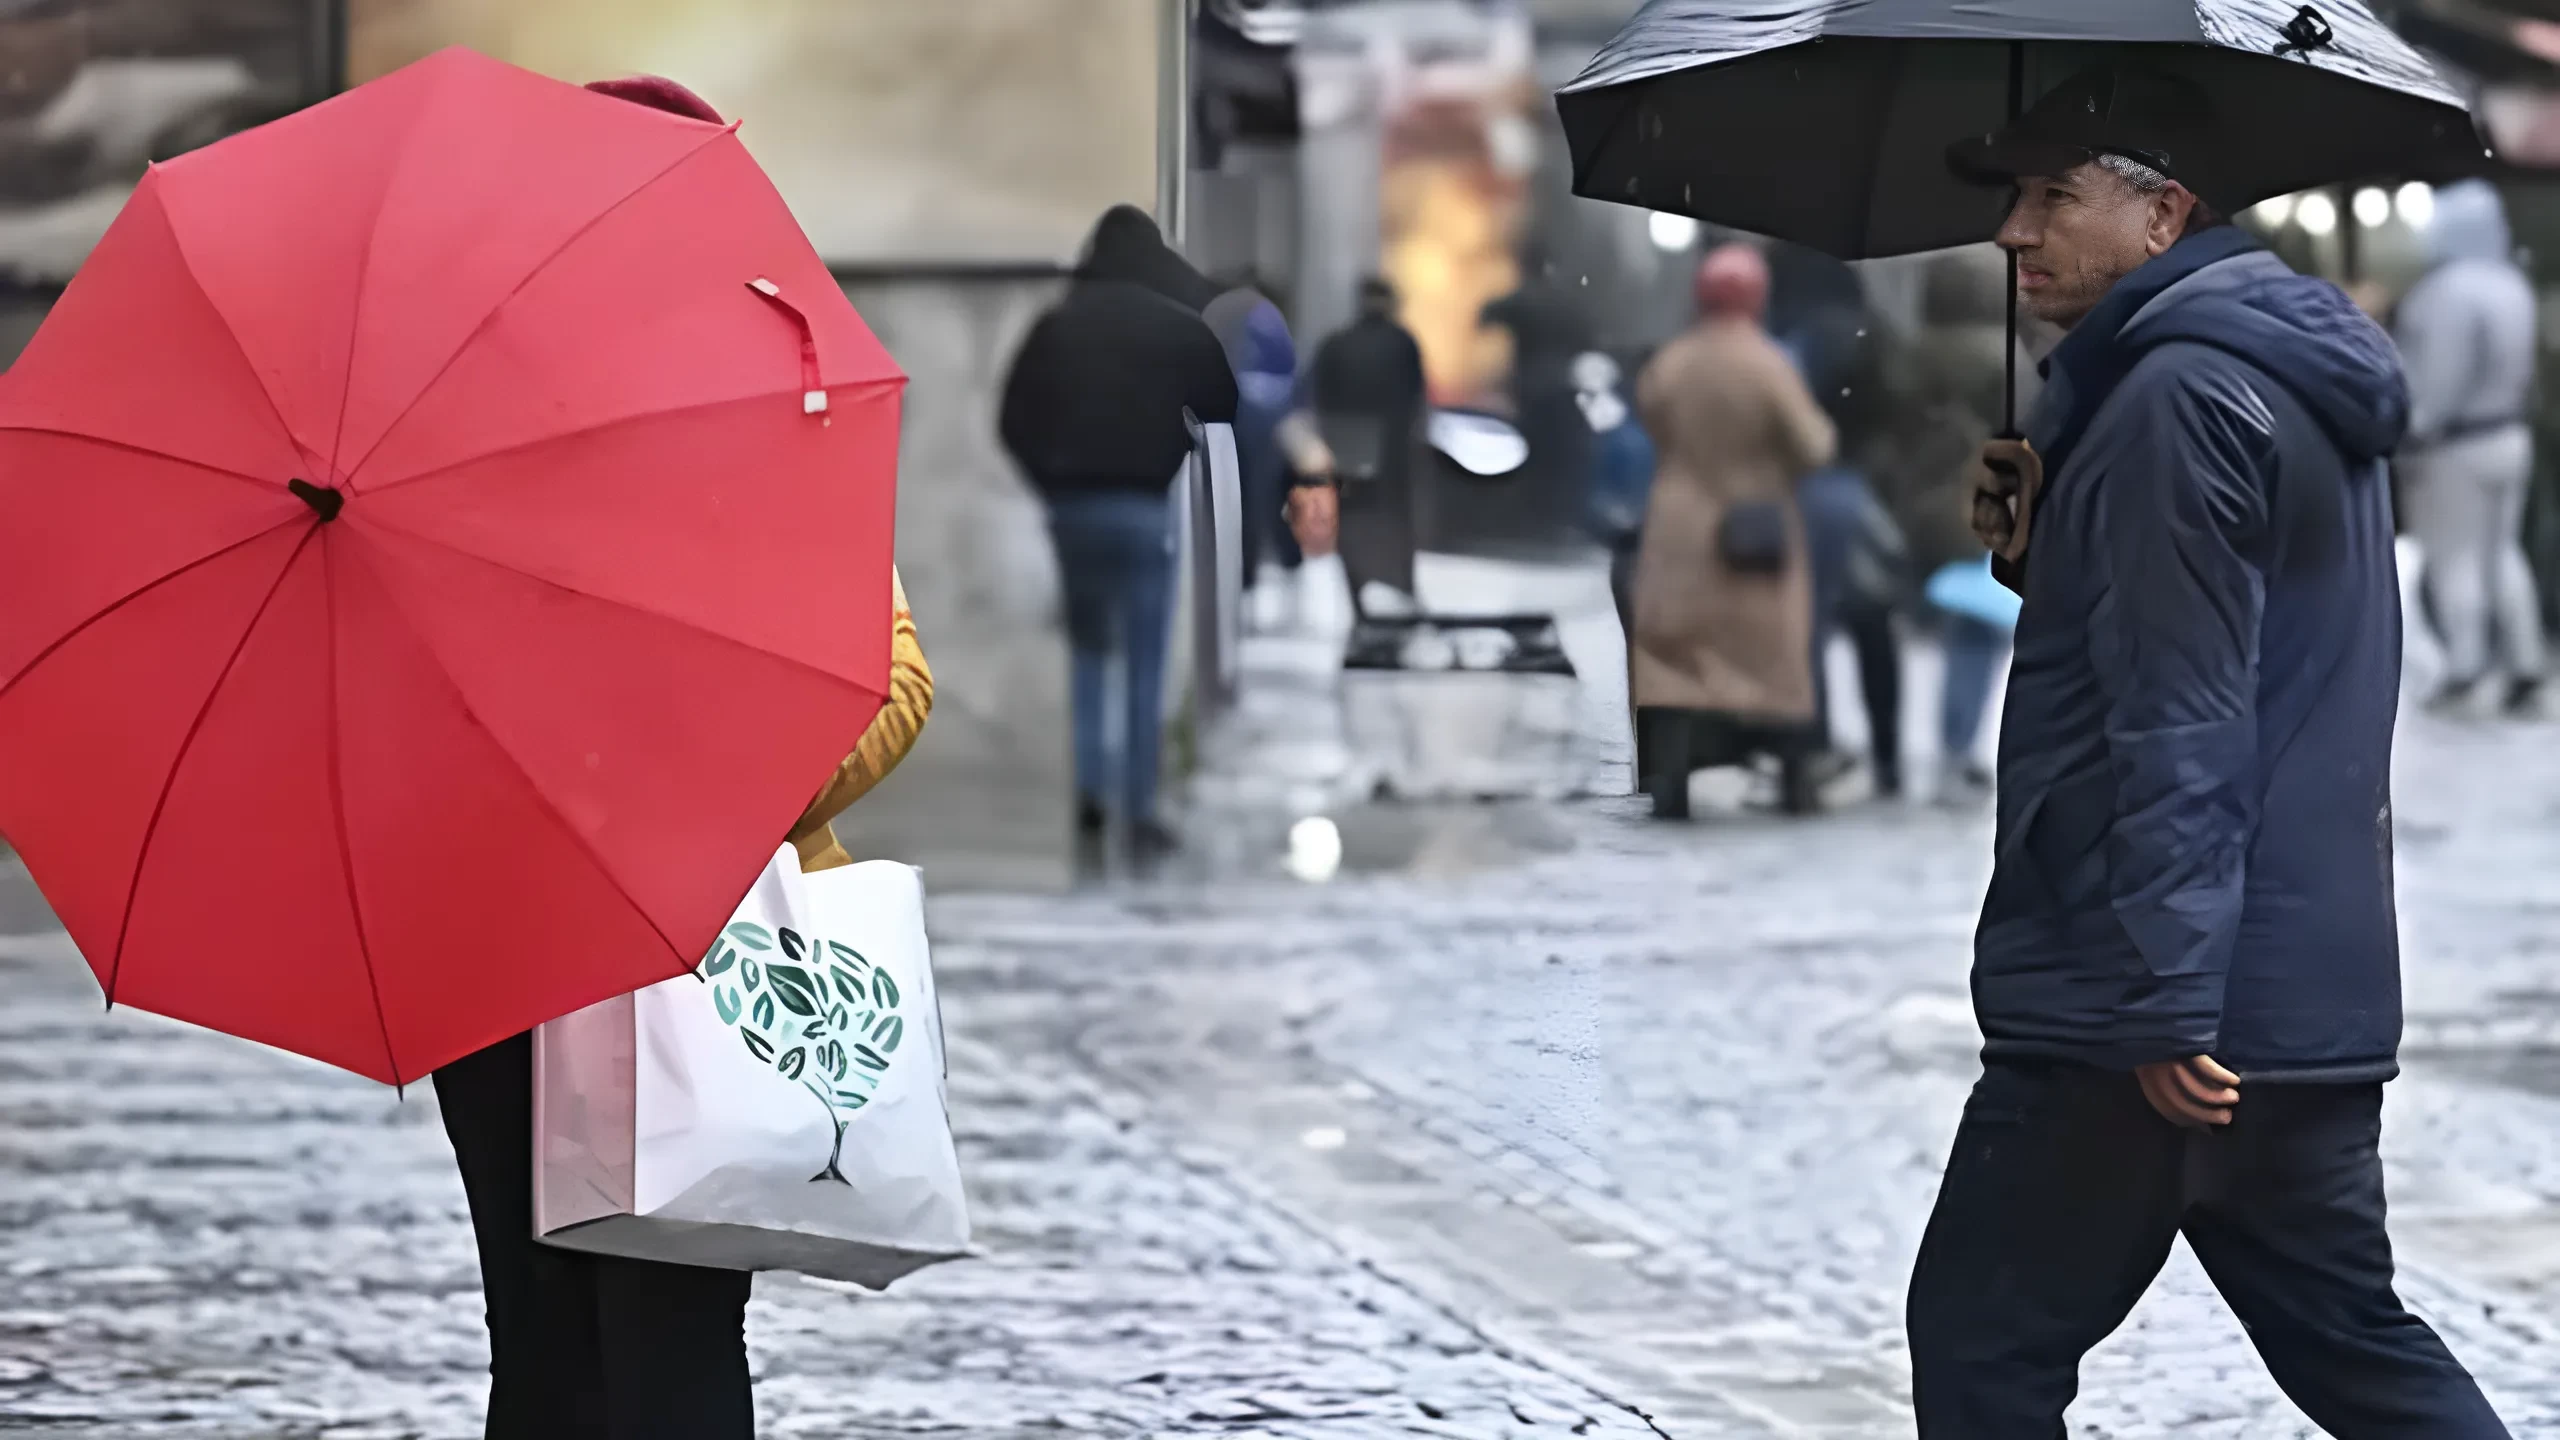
<point>2187,969</point>
<point>2467,335</point>
<point>1950,395</point>
<point>1856,548</point>
<point>1094,414</point>
<point>1255,333</point>
<point>1723,597</point>
<point>1548,329</point>
<point>1357,428</point>
<point>598,1347</point>
<point>1621,474</point>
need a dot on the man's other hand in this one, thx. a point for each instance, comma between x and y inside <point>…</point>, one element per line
<point>1315,517</point>
<point>2004,496</point>
<point>2194,1093</point>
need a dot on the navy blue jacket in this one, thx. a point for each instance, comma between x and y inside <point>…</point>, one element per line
<point>2194,852</point>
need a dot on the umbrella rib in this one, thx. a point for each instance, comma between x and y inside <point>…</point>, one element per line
<point>533,788</point>
<point>636,609</point>
<point>791,392</point>
<point>243,476</point>
<point>178,764</point>
<point>121,601</point>
<point>1875,145</point>
<point>347,481</point>
<point>338,817</point>
<point>364,276</point>
<point>186,262</point>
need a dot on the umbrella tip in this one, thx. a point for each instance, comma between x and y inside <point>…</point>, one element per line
<point>325,501</point>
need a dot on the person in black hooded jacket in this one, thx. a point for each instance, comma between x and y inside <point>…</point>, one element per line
<point>1095,412</point>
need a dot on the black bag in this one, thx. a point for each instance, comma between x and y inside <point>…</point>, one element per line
<point>1752,537</point>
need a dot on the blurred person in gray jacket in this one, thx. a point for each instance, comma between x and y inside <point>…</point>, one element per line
<point>2466,336</point>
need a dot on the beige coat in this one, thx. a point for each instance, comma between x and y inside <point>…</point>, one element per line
<point>1730,421</point>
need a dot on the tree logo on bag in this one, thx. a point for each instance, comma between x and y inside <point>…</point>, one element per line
<point>816,1011</point>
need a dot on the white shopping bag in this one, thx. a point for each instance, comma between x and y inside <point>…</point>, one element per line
<point>780,1108</point>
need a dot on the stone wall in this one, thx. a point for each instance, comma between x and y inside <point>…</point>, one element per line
<point>985,799</point>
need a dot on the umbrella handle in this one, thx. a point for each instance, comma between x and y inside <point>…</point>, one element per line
<point>813,390</point>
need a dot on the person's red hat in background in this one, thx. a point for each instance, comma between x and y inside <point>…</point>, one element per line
<point>659,93</point>
<point>1733,281</point>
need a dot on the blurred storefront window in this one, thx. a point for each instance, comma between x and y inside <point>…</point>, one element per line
<point>904,133</point>
<point>93,91</point>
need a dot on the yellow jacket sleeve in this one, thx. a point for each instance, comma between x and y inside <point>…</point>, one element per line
<point>892,734</point>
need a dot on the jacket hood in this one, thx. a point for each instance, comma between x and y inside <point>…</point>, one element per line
<point>1268,349</point>
<point>2302,331</point>
<point>2470,224</point>
<point>1128,247</point>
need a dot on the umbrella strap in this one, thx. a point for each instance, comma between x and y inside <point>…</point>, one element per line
<point>813,390</point>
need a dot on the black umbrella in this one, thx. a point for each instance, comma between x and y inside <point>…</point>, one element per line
<point>1829,122</point>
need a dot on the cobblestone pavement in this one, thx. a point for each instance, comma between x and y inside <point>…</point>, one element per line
<point>1532,1120</point>
<point>1673,1101</point>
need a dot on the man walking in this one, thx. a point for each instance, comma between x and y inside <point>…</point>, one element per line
<point>2466,334</point>
<point>1094,412</point>
<point>2187,970</point>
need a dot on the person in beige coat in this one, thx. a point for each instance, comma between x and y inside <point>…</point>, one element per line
<point>1721,655</point>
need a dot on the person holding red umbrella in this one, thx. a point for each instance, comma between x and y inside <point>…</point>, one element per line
<point>406,629</point>
<point>602,1346</point>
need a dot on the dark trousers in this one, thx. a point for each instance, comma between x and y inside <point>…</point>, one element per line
<point>2059,1206</point>
<point>585,1347</point>
<point>1870,631</point>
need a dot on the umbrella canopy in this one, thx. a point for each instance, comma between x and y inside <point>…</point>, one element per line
<point>449,544</point>
<point>1827,122</point>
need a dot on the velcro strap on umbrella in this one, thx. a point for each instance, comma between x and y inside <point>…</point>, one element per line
<point>813,392</point>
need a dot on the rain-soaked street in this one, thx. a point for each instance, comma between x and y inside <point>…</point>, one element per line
<point>1538,1119</point>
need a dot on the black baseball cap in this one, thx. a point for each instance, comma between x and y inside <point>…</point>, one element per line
<point>2133,110</point>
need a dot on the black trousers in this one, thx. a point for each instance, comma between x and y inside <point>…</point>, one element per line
<point>2059,1206</point>
<point>1870,631</point>
<point>585,1347</point>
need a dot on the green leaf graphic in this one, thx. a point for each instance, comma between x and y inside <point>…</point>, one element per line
<point>848,984</point>
<point>758,1046</point>
<point>846,952</point>
<point>889,1033</point>
<point>799,993</point>
<point>722,958</point>
<point>753,974</point>
<point>869,1059</point>
<point>754,937</point>
<point>764,1012</point>
<point>884,990</point>
<point>793,1062</point>
<point>792,945</point>
<point>726,1000</point>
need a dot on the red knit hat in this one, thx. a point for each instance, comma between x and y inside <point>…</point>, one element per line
<point>1734,280</point>
<point>659,93</point>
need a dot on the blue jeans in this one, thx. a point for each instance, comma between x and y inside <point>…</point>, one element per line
<point>1974,649</point>
<point>1115,559</point>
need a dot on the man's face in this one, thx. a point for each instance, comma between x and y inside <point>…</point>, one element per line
<point>2078,233</point>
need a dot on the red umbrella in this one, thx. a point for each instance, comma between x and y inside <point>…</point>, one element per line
<point>448,544</point>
